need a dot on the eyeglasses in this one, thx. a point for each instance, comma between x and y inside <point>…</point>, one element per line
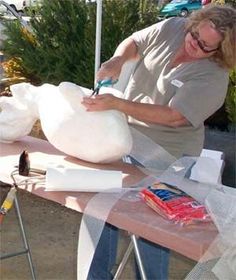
<point>205,49</point>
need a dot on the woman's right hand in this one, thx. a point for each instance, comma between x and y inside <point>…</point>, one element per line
<point>110,69</point>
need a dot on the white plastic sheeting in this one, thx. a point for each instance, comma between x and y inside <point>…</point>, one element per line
<point>219,261</point>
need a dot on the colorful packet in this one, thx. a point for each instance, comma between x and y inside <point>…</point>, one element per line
<point>174,204</point>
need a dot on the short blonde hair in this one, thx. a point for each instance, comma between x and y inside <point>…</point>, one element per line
<point>224,19</point>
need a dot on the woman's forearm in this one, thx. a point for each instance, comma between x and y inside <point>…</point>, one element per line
<point>127,50</point>
<point>152,113</point>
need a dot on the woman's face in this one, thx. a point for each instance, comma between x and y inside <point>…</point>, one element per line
<point>203,40</point>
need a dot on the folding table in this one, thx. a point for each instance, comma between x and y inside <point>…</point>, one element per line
<point>132,216</point>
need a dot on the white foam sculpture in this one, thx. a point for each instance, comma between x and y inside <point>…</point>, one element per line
<point>92,136</point>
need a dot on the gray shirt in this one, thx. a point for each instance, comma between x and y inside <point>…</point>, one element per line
<point>196,89</point>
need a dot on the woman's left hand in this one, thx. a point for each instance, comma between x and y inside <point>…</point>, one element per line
<point>101,102</point>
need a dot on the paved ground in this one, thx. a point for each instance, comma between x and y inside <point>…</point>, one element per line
<point>53,234</point>
<point>53,231</point>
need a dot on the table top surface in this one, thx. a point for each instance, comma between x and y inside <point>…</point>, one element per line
<point>129,213</point>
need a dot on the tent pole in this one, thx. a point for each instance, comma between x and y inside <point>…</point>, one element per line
<point>98,37</point>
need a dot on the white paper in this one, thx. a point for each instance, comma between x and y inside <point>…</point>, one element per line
<point>207,170</point>
<point>212,154</point>
<point>86,180</point>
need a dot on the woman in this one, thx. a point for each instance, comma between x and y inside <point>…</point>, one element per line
<point>180,80</point>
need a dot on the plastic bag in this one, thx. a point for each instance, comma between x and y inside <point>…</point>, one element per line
<point>174,204</point>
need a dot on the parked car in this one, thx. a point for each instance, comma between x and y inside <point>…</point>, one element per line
<point>18,5</point>
<point>8,14</point>
<point>180,8</point>
<point>3,9</point>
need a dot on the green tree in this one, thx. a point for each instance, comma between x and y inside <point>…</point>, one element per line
<point>230,101</point>
<point>62,46</point>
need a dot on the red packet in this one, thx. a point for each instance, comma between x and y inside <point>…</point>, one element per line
<point>174,204</point>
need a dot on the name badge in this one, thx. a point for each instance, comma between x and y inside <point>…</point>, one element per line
<point>177,83</point>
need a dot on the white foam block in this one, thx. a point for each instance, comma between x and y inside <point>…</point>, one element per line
<point>84,180</point>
